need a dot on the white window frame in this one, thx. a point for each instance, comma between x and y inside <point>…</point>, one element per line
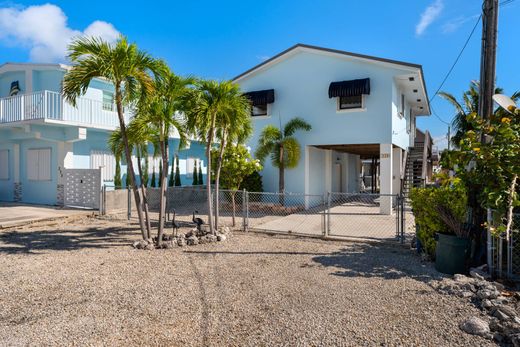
<point>348,110</point>
<point>105,105</point>
<point>4,164</point>
<point>39,175</point>
<point>267,115</point>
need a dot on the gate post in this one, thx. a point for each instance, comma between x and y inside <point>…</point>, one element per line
<point>244,209</point>
<point>402,219</point>
<point>327,224</point>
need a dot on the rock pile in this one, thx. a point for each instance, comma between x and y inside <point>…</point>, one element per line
<point>500,306</point>
<point>191,238</point>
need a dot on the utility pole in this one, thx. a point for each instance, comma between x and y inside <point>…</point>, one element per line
<point>488,58</point>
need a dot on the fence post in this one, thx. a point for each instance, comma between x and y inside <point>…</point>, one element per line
<point>403,221</point>
<point>327,224</point>
<point>490,243</point>
<point>129,206</point>
<point>244,209</point>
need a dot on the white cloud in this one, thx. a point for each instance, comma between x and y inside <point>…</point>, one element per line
<point>429,15</point>
<point>44,31</point>
<point>455,23</point>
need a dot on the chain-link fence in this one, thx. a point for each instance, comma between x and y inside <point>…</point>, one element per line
<point>504,250</point>
<point>338,215</point>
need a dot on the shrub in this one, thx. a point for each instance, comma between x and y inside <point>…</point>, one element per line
<point>252,183</point>
<point>426,203</point>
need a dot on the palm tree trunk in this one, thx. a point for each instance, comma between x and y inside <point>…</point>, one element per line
<point>208,178</point>
<point>145,197</point>
<point>281,178</point>
<point>163,185</point>
<point>128,155</point>
<point>217,177</point>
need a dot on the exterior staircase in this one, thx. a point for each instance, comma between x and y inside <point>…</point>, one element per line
<point>413,169</point>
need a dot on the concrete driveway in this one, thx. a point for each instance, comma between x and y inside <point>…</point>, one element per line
<point>12,214</point>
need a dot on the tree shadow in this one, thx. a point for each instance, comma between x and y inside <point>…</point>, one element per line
<point>40,241</point>
<point>378,260</point>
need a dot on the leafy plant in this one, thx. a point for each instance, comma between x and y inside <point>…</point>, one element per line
<point>177,172</point>
<point>117,175</point>
<point>439,210</point>
<point>200,181</point>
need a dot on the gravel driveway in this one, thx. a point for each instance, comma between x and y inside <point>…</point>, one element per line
<point>80,283</point>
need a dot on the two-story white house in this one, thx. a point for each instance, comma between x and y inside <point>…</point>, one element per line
<point>41,134</point>
<point>360,107</point>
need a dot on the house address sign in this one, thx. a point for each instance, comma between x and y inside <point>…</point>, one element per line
<point>385,155</point>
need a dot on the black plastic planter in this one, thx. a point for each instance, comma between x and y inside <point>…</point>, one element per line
<point>451,254</point>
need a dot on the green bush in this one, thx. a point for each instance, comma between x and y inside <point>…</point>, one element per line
<point>425,202</point>
<point>252,183</point>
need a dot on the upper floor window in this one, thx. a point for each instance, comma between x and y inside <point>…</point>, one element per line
<point>350,102</point>
<point>108,101</point>
<point>260,101</point>
<point>350,94</point>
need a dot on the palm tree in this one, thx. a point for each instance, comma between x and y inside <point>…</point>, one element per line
<point>468,105</point>
<point>128,68</point>
<point>234,126</point>
<point>160,115</point>
<point>282,146</point>
<point>208,102</point>
<point>139,144</point>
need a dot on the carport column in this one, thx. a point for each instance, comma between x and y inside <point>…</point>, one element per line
<point>396,168</point>
<point>307,175</point>
<point>16,173</point>
<point>385,177</point>
<point>328,170</point>
<point>65,161</point>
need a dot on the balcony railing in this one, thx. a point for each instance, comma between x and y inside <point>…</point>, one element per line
<point>48,105</point>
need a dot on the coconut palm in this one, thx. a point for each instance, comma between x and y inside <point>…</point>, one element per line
<point>207,103</point>
<point>127,68</point>
<point>468,105</point>
<point>160,115</point>
<point>282,146</point>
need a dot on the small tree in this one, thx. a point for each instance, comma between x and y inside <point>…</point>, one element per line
<point>195,174</point>
<point>171,179</point>
<point>177,172</point>
<point>117,176</point>
<point>152,184</point>
<point>200,181</point>
<point>237,164</point>
<point>253,182</point>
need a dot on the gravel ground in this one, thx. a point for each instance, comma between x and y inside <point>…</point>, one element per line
<point>80,283</point>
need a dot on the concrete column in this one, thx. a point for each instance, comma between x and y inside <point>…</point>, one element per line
<point>307,175</point>
<point>397,164</point>
<point>385,177</point>
<point>28,81</point>
<point>328,170</point>
<point>17,183</point>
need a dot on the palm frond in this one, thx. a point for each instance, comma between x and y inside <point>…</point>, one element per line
<point>294,125</point>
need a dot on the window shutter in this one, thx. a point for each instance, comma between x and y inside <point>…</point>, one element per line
<point>32,164</point>
<point>189,167</point>
<point>44,164</point>
<point>4,164</point>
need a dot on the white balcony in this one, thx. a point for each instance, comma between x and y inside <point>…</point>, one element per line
<point>51,107</point>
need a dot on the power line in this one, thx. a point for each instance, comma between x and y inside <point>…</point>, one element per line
<point>458,58</point>
<point>438,117</point>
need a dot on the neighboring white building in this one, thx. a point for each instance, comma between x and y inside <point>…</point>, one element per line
<point>360,107</point>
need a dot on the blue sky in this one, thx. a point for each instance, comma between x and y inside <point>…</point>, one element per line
<point>220,39</point>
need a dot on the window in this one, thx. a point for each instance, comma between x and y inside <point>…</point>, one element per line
<point>106,160</point>
<point>259,110</point>
<point>39,164</point>
<point>4,164</point>
<point>350,102</point>
<point>108,101</point>
<point>190,162</point>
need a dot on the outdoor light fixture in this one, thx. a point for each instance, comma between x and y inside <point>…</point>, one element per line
<point>505,102</point>
<point>415,90</point>
<point>411,79</point>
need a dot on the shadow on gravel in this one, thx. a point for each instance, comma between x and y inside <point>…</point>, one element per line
<point>39,241</point>
<point>374,260</point>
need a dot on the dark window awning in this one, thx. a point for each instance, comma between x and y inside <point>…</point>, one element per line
<point>349,88</point>
<point>15,88</point>
<point>261,97</point>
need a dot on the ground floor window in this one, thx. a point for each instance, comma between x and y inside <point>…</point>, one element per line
<point>4,164</point>
<point>39,164</point>
<point>350,102</point>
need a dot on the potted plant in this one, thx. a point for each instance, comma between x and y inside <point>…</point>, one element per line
<point>453,248</point>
